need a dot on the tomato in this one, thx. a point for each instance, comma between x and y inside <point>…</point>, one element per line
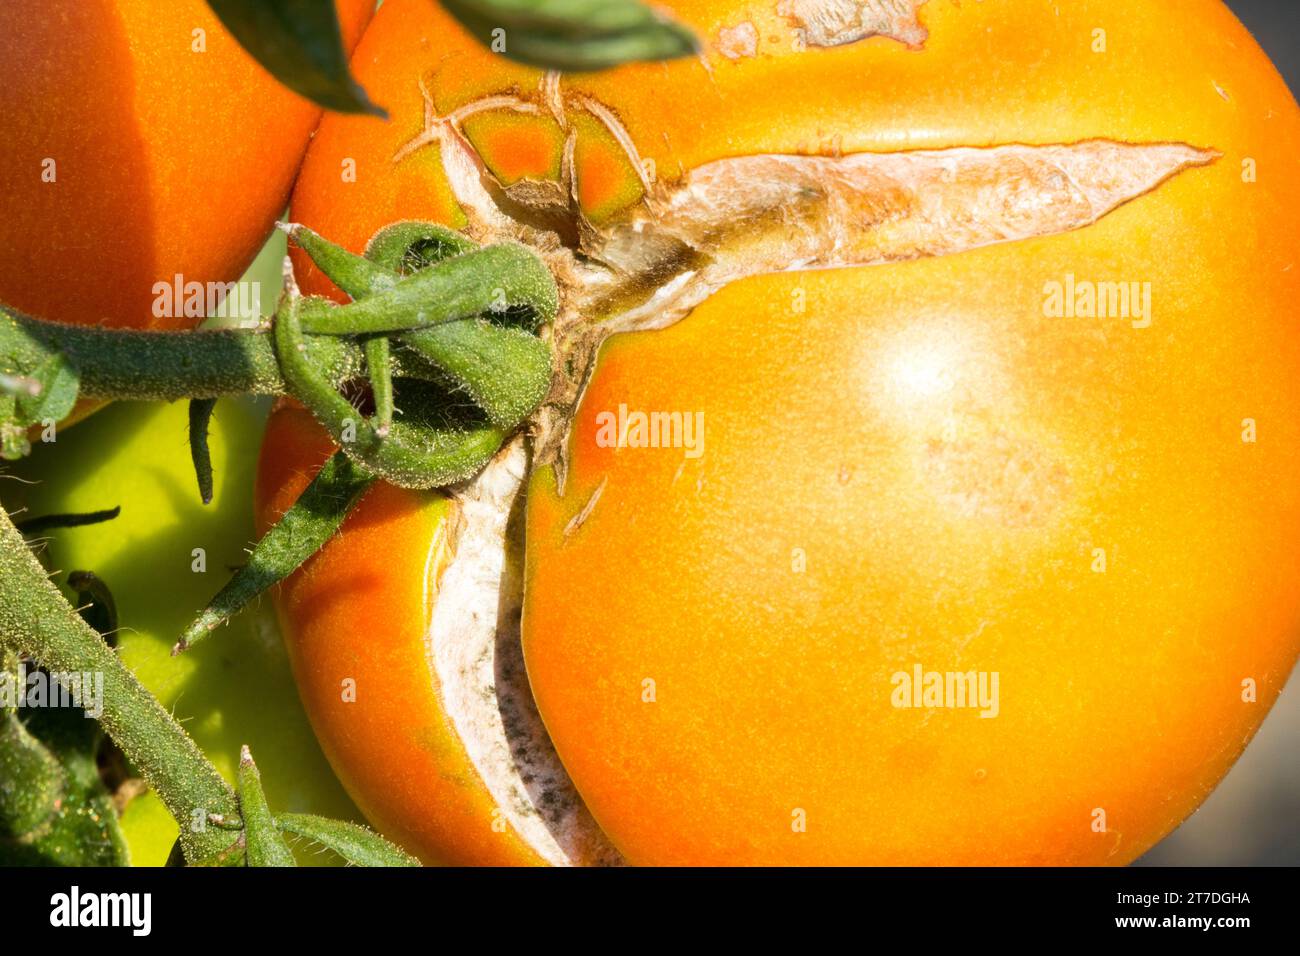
<point>235,690</point>
<point>141,143</point>
<point>1038,446</point>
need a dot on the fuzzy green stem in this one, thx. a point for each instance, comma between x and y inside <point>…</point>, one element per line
<point>265,845</point>
<point>165,366</point>
<point>379,367</point>
<point>36,620</point>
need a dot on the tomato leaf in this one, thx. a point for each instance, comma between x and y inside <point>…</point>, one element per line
<point>54,807</point>
<point>573,34</point>
<point>301,43</point>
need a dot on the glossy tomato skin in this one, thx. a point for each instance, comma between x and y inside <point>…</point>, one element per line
<point>916,467</point>
<point>901,466</point>
<point>130,156</point>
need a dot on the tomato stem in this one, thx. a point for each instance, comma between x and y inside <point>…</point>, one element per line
<point>166,366</point>
<point>36,621</point>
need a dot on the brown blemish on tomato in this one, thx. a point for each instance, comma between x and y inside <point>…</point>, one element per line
<point>578,520</point>
<point>1011,480</point>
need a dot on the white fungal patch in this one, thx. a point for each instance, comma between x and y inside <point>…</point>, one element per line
<point>835,22</point>
<point>475,652</point>
<point>738,42</point>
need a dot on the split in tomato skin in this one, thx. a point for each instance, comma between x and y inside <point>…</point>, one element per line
<point>356,620</point>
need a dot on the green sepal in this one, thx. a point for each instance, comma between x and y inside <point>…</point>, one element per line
<point>201,410</point>
<point>506,278</point>
<point>300,533</point>
<point>356,845</point>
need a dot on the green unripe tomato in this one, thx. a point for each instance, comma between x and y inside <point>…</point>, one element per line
<point>163,558</point>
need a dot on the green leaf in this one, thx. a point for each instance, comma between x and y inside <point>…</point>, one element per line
<point>573,34</point>
<point>301,44</point>
<point>54,807</point>
<point>355,844</point>
<point>34,396</point>
<point>31,780</point>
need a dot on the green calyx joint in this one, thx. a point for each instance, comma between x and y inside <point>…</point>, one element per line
<point>466,315</point>
<point>478,342</point>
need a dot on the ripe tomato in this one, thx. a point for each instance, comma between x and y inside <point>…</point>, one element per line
<point>140,143</point>
<point>237,689</point>
<point>1048,439</point>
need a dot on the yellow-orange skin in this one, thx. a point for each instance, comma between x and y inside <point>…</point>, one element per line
<point>905,465</point>
<point>168,161</point>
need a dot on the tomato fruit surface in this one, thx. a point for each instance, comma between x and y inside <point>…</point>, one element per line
<point>929,464</point>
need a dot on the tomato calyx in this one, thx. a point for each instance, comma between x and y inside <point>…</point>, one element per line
<point>465,322</point>
<point>422,289</point>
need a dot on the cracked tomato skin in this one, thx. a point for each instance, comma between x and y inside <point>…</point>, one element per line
<point>166,160</point>
<point>368,690</point>
<point>902,466</point>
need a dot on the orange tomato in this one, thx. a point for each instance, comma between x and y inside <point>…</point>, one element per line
<point>1047,440</point>
<point>140,143</point>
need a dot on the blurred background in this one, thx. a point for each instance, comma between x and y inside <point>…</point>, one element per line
<point>1253,818</point>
